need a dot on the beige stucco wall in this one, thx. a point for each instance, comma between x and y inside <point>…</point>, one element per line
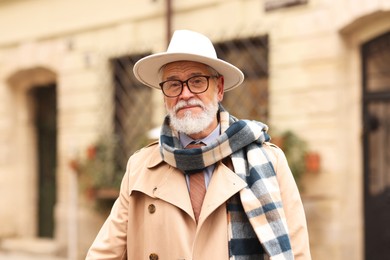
<point>314,89</point>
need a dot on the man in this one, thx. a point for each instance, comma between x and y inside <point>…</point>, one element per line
<point>213,187</point>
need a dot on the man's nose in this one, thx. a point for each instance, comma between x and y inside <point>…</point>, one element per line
<point>186,93</point>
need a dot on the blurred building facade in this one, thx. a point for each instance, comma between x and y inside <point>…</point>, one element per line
<point>65,83</point>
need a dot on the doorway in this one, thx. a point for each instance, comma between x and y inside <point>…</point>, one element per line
<point>376,146</point>
<point>44,98</point>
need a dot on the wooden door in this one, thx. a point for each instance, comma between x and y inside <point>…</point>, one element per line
<point>46,135</point>
<point>376,141</point>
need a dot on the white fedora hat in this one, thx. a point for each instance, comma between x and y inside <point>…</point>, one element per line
<point>186,45</point>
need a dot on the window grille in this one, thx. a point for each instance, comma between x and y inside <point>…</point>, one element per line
<point>250,100</point>
<point>132,108</point>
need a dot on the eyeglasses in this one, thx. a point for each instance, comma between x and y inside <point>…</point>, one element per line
<point>195,84</point>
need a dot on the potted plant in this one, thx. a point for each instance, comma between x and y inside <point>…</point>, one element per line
<point>99,172</point>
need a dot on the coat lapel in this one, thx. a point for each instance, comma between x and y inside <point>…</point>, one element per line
<point>223,185</point>
<point>173,189</point>
<point>160,180</point>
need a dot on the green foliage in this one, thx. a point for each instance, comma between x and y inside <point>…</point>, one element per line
<point>295,150</point>
<point>100,169</point>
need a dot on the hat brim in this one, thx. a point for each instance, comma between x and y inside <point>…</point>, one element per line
<point>146,69</point>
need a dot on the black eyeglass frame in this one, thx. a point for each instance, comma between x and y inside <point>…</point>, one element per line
<point>186,82</point>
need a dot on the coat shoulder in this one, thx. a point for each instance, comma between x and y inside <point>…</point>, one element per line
<point>148,156</point>
<point>273,150</point>
<point>151,145</point>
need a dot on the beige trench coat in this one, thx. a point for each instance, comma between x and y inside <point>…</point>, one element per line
<point>153,218</point>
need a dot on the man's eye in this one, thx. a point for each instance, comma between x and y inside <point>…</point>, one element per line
<point>174,84</point>
<point>197,81</point>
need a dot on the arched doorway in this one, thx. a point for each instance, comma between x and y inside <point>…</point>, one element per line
<point>35,108</point>
<point>376,141</point>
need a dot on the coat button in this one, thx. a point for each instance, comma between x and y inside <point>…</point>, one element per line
<point>153,256</point>
<point>152,208</point>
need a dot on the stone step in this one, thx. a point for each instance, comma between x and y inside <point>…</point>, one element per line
<point>25,249</point>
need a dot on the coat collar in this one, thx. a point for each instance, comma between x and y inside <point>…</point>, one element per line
<point>155,156</point>
<point>160,180</point>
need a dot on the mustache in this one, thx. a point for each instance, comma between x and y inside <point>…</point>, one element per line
<point>191,102</point>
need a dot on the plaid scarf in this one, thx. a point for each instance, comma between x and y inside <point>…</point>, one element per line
<point>257,224</point>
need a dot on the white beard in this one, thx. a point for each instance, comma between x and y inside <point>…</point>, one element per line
<point>193,124</point>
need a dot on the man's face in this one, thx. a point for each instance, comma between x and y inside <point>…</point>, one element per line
<point>193,114</point>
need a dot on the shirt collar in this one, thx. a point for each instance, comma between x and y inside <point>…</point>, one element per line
<point>186,140</point>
